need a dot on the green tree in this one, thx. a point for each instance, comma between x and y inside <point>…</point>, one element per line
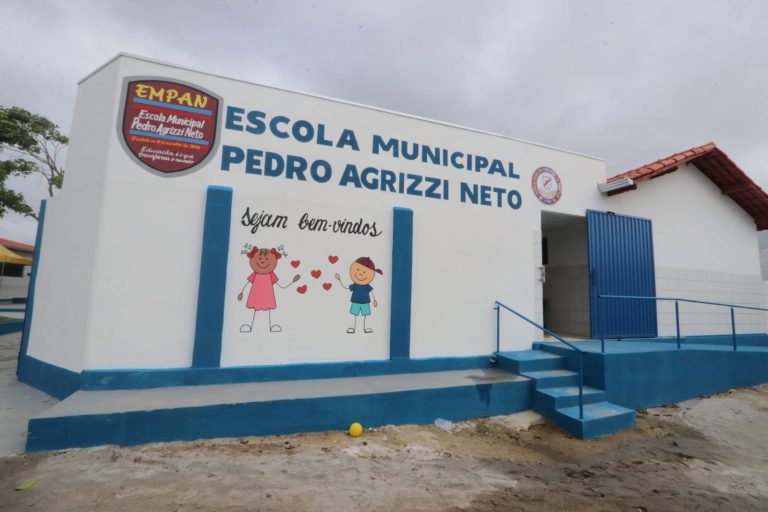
<point>34,145</point>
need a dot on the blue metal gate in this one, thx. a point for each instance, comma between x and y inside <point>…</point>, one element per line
<point>621,263</point>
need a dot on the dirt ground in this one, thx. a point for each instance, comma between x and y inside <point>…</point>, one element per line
<point>707,454</point>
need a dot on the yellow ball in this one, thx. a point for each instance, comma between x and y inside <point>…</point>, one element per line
<point>355,429</point>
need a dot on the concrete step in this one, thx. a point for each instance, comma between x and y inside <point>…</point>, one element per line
<point>600,419</point>
<point>567,396</point>
<point>528,361</point>
<point>129,417</point>
<point>556,397</point>
<point>553,378</point>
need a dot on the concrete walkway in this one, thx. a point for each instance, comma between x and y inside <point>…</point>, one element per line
<point>18,402</point>
<point>124,401</point>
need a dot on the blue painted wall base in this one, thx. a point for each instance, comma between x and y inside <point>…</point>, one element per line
<point>61,383</point>
<point>630,375</point>
<point>54,380</point>
<point>649,373</point>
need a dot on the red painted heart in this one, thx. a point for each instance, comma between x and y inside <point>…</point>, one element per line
<point>295,263</point>
<point>315,273</point>
<point>302,289</point>
<point>327,286</point>
<point>333,259</point>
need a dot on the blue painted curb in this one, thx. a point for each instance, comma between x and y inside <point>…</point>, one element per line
<point>279,417</point>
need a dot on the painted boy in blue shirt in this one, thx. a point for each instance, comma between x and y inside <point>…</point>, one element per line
<point>362,272</point>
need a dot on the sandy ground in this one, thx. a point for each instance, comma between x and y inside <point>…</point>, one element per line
<point>706,454</point>
<point>709,454</point>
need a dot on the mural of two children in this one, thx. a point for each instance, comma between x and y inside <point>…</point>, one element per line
<point>263,280</point>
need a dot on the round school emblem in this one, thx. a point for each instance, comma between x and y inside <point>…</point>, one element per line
<point>546,185</point>
<point>168,127</point>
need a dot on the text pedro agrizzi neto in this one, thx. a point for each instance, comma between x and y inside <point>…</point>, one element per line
<point>295,167</point>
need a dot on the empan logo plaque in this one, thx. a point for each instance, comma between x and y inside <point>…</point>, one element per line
<point>168,127</point>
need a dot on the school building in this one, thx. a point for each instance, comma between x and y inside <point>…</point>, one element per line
<point>254,261</point>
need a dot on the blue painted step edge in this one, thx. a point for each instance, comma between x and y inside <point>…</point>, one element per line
<point>528,361</point>
<point>568,396</point>
<point>600,419</point>
<point>553,378</point>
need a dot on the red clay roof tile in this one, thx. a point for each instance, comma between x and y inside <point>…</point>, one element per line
<point>11,244</point>
<point>715,165</point>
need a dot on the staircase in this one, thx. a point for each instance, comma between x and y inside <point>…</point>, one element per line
<point>556,395</point>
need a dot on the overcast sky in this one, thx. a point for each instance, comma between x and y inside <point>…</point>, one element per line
<point>630,81</point>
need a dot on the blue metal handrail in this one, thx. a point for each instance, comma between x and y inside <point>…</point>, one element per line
<point>547,331</point>
<point>677,300</point>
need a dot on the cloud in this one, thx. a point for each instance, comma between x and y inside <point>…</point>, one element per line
<point>627,81</point>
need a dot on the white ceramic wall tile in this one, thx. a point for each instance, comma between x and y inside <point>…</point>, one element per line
<point>727,287</point>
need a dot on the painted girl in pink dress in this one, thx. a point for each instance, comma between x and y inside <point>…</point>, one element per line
<point>262,281</point>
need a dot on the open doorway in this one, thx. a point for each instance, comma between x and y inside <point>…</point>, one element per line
<point>565,257</point>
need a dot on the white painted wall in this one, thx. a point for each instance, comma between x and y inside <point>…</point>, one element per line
<point>764,263</point>
<point>694,225</point>
<point>765,298</point>
<point>146,277</point>
<point>61,324</point>
<point>538,284</point>
<point>62,315</point>
<point>118,277</point>
<point>129,295</point>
